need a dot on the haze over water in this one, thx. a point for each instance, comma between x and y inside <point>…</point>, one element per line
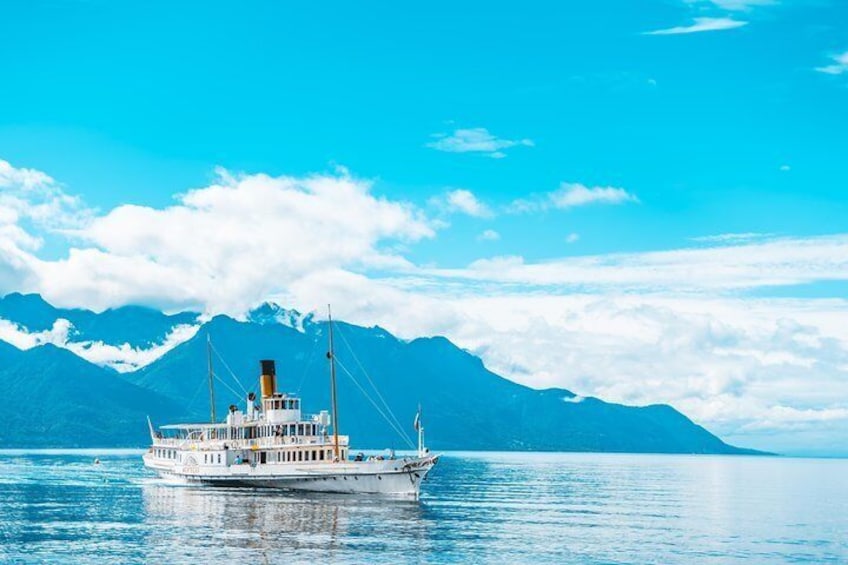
<point>475,507</point>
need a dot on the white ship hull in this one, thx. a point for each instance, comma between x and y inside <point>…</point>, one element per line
<point>399,477</point>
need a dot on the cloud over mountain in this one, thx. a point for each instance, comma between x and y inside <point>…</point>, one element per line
<point>688,326</point>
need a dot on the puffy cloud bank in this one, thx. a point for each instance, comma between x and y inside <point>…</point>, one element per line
<point>688,326</point>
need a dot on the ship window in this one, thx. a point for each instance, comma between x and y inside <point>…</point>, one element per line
<point>300,456</point>
<point>322,455</point>
<point>219,458</point>
<point>314,456</point>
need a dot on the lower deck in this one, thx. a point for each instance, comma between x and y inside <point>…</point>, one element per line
<point>226,456</point>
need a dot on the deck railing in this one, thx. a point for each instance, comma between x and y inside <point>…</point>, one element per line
<point>256,443</point>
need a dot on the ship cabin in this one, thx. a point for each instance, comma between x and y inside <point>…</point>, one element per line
<point>272,431</point>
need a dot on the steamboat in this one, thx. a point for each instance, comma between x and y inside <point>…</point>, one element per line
<point>271,444</point>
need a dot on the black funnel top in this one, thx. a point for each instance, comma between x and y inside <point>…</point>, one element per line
<point>268,367</point>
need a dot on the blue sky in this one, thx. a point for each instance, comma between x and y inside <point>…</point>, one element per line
<point>665,168</point>
<point>127,103</point>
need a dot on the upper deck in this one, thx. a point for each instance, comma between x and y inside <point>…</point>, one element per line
<point>248,435</point>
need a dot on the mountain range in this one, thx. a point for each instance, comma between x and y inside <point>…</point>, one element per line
<point>59,397</point>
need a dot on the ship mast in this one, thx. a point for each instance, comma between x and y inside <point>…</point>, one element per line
<point>211,378</point>
<point>332,358</point>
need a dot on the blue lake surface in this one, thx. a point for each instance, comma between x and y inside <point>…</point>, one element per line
<point>475,508</point>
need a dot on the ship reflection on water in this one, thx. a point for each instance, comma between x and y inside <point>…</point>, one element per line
<point>271,524</point>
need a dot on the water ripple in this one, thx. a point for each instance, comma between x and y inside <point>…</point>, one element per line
<point>475,508</point>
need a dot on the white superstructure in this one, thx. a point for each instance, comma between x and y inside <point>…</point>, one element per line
<point>272,444</point>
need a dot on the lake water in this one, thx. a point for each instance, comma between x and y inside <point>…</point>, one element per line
<point>475,508</point>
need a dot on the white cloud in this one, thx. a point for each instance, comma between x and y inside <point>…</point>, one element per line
<point>838,67</point>
<point>122,358</point>
<point>32,199</point>
<point>23,339</point>
<point>475,140</point>
<point>772,262</point>
<point>463,201</point>
<point>571,195</point>
<point>733,237</point>
<point>228,245</point>
<point>489,235</point>
<point>734,5</point>
<point>28,179</point>
<point>572,237</point>
<point>785,168</point>
<point>700,25</point>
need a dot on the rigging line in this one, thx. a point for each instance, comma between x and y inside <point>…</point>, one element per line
<point>235,378</point>
<point>370,381</point>
<point>364,372</point>
<point>400,432</point>
<point>223,382</point>
<point>196,392</point>
<point>308,365</point>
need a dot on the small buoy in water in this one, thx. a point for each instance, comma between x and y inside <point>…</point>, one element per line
<point>96,461</point>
